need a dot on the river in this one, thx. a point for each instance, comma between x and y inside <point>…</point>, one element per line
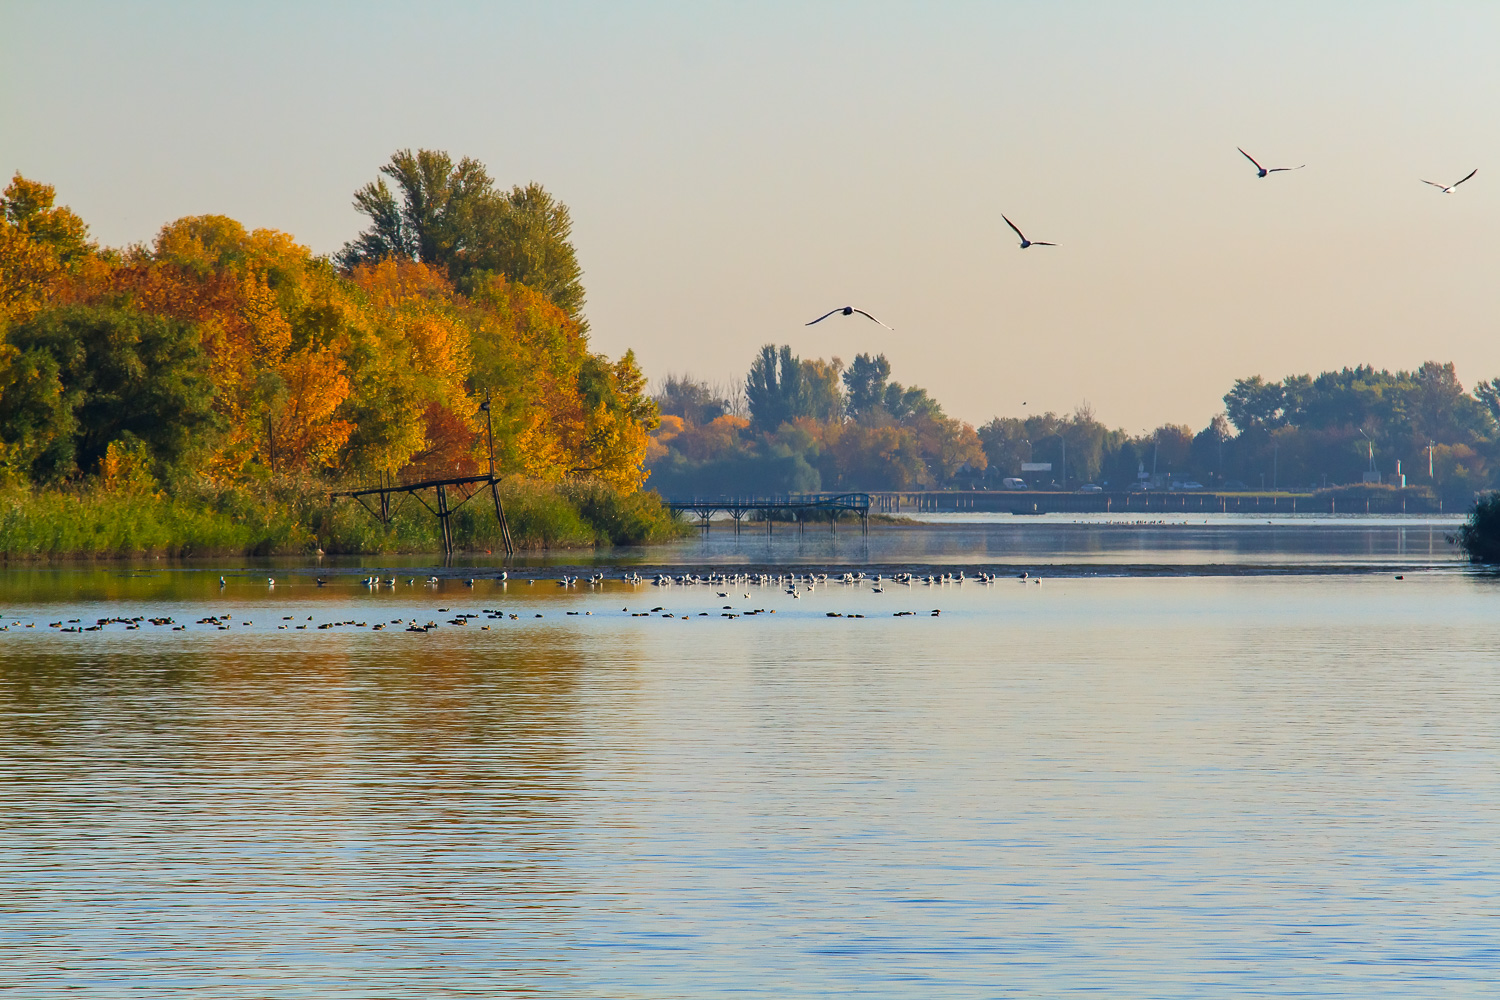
<point>1263,767</point>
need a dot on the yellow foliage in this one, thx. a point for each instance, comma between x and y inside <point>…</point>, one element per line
<point>377,370</point>
<point>126,468</point>
<point>38,244</point>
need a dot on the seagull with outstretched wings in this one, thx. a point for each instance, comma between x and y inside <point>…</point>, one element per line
<point>1024,241</point>
<point>1261,171</point>
<point>848,311</point>
<point>1450,188</point>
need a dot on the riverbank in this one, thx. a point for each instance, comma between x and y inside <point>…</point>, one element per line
<point>297,518</point>
<point>1355,499</point>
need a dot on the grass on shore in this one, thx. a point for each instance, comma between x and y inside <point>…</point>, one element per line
<point>297,518</point>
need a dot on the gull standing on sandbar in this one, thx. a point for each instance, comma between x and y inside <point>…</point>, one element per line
<point>848,311</point>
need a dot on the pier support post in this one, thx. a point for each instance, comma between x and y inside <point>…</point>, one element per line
<point>510,547</point>
<point>442,513</point>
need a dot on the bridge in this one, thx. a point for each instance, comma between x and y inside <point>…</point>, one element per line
<point>799,508</point>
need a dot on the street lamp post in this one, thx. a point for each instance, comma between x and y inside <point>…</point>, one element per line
<point>1370,449</point>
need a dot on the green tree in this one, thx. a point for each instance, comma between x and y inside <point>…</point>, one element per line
<point>873,397</point>
<point>1004,442</point>
<point>433,221</point>
<point>1488,394</point>
<point>1207,454</point>
<point>865,381</point>
<point>782,387</point>
<point>821,397</point>
<point>774,388</point>
<point>86,377</point>
<point>1436,407</point>
<point>527,235</point>
<point>1255,404</point>
<point>450,215</point>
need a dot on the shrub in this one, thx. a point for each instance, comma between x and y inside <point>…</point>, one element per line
<point>1479,537</point>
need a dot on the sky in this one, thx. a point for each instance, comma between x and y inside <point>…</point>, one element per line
<point>735,170</point>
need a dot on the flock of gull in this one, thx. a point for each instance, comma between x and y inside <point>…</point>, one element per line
<point>793,584</point>
<point>1027,244</point>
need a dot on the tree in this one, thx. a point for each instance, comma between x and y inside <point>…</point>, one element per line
<point>1174,447</point>
<point>1488,394</point>
<point>865,381</point>
<point>1004,442</point>
<point>450,216</point>
<point>526,235</point>
<point>1437,408</point>
<point>1255,404</point>
<point>873,397</point>
<point>782,387</point>
<point>88,377</point>
<point>774,387</point>
<point>695,402</point>
<point>1208,445</point>
<point>434,220</point>
<point>821,398</point>
<point>37,243</point>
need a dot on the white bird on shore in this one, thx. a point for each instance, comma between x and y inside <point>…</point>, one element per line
<point>848,311</point>
<point>1025,243</point>
<point>1450,188</point>
<point>1261,171</point>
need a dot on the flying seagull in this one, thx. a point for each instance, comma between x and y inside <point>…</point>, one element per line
<point>1450,188</point>
<point>848,311</point>
<point>1024,241</point>
<point>1261,171</point>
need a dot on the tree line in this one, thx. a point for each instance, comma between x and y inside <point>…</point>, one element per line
<point>807,425</point>
<point>814,424</point>
<point>233,355</point>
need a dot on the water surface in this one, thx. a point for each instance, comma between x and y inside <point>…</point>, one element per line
<point>1177,786</point>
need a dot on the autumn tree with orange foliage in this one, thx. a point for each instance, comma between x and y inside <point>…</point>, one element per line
<point>377,369</point>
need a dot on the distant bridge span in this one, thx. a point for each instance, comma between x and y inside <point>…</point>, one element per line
<point>791,508</point>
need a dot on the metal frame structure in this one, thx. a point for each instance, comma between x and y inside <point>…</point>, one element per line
<point>468,487</point>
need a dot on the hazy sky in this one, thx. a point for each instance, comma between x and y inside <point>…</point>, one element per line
<point>734,170</point>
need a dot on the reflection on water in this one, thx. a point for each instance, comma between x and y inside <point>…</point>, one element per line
<point>1109,544</point>
<point>1136,787</point>
<point>973,539</point>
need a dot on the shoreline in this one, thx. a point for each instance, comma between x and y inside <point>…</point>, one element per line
<point>299,572</point>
